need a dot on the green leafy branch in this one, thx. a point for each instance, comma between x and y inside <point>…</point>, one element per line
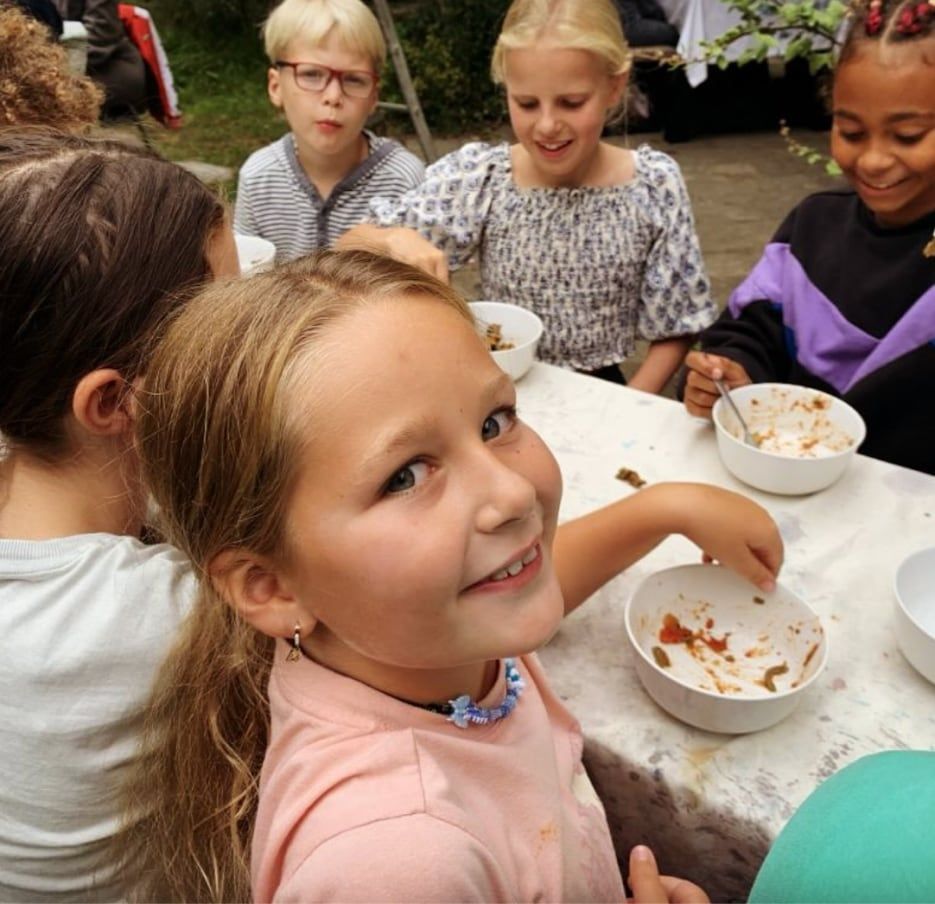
<point>791,30</point>
<point>775,28</point>
<point>807,153</point>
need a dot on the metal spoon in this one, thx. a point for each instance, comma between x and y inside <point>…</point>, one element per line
<point>748,437</point>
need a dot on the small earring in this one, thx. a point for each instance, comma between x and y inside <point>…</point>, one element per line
<point>295,654</point>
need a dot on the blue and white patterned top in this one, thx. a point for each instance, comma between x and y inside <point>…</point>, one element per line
<point>602,266</point>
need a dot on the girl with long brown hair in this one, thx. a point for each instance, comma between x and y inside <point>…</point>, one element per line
<point>100,242</point>
<point>354,709</point>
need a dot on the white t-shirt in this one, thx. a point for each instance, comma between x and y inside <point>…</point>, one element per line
<point>85,621</point>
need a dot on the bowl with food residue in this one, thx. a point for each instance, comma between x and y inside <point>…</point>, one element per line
<point>805,438</point>
<point>717,653</point>
<point>512,334</point>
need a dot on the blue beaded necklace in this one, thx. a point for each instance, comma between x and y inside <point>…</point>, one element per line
<point>463,710</point>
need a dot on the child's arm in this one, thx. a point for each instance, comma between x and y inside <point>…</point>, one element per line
<point>728,527</point>
<point>675,296</point>
<point>750,342</point>
<point>438,224</point>
<point>661,362</point>
<point>398,242</point>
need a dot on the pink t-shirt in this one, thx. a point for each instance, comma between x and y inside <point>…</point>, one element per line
<point>366,798</point>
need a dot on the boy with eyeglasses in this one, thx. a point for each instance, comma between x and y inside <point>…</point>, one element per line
<point>306,189</point>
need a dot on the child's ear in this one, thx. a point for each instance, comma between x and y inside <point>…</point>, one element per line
<point>618,86</point>
<point>103,403</point>
<point>274,87</point>
<point>255,588</point>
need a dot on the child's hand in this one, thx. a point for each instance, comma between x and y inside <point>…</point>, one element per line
<point>735,531</point>
<point>650,888</point>
<point>397,242</point>
<point>408,246</point>
<point>700,391</point>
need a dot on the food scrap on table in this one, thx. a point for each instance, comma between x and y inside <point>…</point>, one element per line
<point>628,475</point>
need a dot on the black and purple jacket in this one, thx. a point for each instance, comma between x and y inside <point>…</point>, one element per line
<point>842,304</point>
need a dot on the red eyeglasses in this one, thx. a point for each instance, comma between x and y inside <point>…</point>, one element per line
<point>315,77</point>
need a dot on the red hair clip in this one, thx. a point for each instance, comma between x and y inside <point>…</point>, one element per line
<point>874,20</point>
<point>914,17</point>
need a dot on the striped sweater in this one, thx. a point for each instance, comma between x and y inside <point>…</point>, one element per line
<point>277,201</point>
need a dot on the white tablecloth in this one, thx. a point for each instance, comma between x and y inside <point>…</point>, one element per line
<point>711,804</point>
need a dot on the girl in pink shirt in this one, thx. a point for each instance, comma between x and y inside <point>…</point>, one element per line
<point>375,532</point>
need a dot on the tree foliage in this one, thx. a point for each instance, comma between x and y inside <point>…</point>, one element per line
<point>447,44</point>
<point>802,29</point>
<point>448,47</point>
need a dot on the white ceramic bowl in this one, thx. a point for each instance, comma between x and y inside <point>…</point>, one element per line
<point>723,689</point>
<point>807,437</point>
<point>915,611</point>
<point>254,253</point>
<point>517,325</point>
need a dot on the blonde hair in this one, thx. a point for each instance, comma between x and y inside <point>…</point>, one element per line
<point>592,25</point>
<point>313,20</point>
<point>220,445</point>
<point>37,87</point>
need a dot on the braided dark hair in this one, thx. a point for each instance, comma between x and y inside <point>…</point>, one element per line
<point>888,22</point>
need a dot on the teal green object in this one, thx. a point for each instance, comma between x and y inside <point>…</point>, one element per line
<point>866,835</point>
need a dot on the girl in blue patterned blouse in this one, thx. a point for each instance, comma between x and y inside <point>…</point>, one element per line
<point>598,240</point>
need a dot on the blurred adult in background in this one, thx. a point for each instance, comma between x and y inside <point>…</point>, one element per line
<point>113,60</point>
<point>645,24</point>
<point>45,11</point>
<point>36,85</point>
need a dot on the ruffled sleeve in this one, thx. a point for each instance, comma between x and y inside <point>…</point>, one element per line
<point>450,207</point>
<point>675,294</point>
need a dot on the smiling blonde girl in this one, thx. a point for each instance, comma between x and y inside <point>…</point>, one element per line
<point>373,527</point>
<point>598,240</point>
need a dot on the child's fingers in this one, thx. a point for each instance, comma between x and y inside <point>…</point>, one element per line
<point>758,565</point>
<point>771,555</point>
<point>650,888</point>
<point>715,367</point>
<point>758,573</point>
<point>644,878</point>
<point>440,268</point>
<point>700,395</point>
<point>434,262</point>
<point>749,566</point>
<point>681,891</point>
<point>709,366</point>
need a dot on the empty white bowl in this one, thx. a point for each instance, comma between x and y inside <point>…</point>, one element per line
<point>254,253</point>
<point>750,654</point>
<point>517,325</point>
<point>806,437</point>
<point>915,611</point>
